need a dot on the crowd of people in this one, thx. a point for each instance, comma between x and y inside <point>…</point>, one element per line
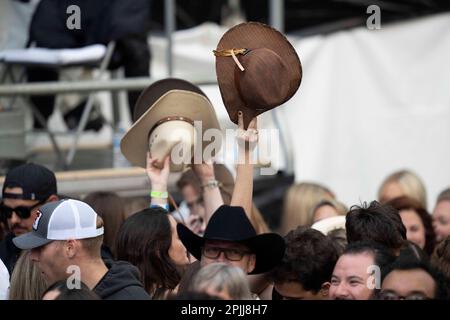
<point>54,247</point>
<point>216,244</point>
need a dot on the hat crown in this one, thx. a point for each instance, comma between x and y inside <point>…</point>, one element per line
<point>61,220</point>
<point>165,101</point>
<point>176,133</point>
<point>67,219</point>
<point>260,85</point>
<point>37,182</point>
<point>230,224</point>
<point>272,74</point>
<point>156,90</point>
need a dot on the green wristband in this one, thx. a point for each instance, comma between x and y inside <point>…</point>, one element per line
<point>159,194</point>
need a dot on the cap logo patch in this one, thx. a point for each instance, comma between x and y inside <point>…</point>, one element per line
<point>36,221</point>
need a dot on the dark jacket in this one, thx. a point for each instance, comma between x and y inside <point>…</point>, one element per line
<point>9,253</point>
<point>100,22</point>
<point>121,282</point>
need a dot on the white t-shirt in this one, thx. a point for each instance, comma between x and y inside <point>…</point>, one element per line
<point>183,210</point>
<point>4,281</point>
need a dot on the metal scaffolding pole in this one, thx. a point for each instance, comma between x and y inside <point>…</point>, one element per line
<point>276,14</point>
<point>170,25</point>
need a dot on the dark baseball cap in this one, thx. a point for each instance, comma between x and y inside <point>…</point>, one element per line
<point>36,181</point>
<point>60,220</point>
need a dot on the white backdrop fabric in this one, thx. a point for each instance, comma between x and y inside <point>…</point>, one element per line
<point>373,102</point>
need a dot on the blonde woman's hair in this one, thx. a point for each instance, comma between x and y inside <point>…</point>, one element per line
<point>411,185</point>
<point>27,282</point>
<point>340,208</point>
<point>299,201</point>
<point>219,276</point>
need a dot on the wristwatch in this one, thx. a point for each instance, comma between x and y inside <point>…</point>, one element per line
<point>211,184</point>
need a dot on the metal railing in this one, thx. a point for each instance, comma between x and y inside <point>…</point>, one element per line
<point>276,12</point>
<point>54,87</point>
<point>276,17</point>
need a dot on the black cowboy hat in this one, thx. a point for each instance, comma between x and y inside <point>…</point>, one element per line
<point>231,224</point>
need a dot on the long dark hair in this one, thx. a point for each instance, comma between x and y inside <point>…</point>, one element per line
<point>406,203</point>
<point>144,240</point>
<point>111,208</point>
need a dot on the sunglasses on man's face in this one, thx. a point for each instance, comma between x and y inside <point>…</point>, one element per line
<point>21,211</point>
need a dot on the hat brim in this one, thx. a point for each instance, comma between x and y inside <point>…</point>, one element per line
<point>329,224</point>
<point>29,241</point>
<point>253,35</point>
<point>134,144</point>
<point>192,242</point>
<point>268,248</point>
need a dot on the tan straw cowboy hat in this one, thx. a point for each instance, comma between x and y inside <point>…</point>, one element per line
<point>164,118</point>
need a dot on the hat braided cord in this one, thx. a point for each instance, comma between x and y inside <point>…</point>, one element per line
<point>232,53</point>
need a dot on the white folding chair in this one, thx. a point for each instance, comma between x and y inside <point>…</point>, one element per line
<point>94,56</point>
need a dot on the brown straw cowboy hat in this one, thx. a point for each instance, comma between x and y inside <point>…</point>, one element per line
<point>257,70</point>
<point>163,117</point>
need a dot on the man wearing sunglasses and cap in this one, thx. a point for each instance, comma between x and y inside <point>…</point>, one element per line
<point>26,188</point>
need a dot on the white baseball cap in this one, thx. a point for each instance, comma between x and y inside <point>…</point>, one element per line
<point>61,220</point>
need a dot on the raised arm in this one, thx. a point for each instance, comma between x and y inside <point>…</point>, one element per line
<point>212,198</point>
<point>243,189</point>
<point>158,180</point>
